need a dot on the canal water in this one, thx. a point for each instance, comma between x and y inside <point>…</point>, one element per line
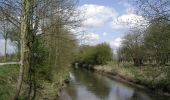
<point>86,85</point>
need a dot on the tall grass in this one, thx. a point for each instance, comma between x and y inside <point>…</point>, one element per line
<point>8,79</point>
<point>153,77</point>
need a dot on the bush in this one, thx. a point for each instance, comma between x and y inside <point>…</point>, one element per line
<point>95,55</point>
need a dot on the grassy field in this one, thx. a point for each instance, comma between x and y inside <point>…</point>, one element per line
<point>8,79</point>
<point>13,58</point>
<point>153,77</point>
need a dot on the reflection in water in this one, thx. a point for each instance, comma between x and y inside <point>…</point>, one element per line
<point>93,83</point>
<point>90,86</point>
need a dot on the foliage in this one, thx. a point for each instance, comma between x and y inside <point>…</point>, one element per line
<point>148,46</point>
<point>132,48</point>
<point>95,55</point>
<point>103,53</point>
<point>157,41</point>
<point>51,58</point>
<point>41,29</point>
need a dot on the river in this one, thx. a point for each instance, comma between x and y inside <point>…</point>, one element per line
<point>86,85</point>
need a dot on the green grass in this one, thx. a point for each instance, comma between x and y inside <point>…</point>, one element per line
<point>153,77</point>
<point>8,78</point>
<point>13,58</point>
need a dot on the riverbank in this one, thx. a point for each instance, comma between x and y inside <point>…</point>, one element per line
<point>149,77</point>
<point>8,80</point>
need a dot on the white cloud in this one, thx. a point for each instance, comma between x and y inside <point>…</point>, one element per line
<point>128,21</point>
<point>96,15</point>
<point>116,43</point>
<point>10,48</point>
<point>90,38</point>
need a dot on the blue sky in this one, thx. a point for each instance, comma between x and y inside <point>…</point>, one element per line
<point>107,20</point>
<point>116,4</point>
<point>104,21</point>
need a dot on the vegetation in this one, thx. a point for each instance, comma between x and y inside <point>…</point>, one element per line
<point>132,49</point>
<point>154,78</point>
<point>41,32</point>
<point>94,55</point>
<point>46,47</point>
<point>149,47</point>
<point>146,46</point>
<point>8,79</point>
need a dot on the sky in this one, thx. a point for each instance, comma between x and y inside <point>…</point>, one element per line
<point>108,20</point>
<point>103,21</point>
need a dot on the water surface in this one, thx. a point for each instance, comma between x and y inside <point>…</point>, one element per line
<point>86,85</point>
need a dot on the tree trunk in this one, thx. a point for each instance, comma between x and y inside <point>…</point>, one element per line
<point>5,48</point>
<point>137,62</point>
<point>5,37</point>
<point>26,45</point>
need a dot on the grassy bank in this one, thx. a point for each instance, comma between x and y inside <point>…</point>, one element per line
<point>8,79</point>
<point>153,77</point>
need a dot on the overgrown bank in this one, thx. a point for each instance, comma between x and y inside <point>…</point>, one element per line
<point>151,77</point>
<point>8,80</point>
<point>39,35</point>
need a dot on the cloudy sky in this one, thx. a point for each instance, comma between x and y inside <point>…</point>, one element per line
<point>107,20</point>
<point>104,21</point>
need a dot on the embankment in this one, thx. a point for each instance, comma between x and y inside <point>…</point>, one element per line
<point>146,77</point>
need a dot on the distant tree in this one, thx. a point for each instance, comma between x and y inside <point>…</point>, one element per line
<point>95,55</point>
<point>132,48</point>
<point>157,41</point>
<point>156,38</point>
<point>14,36</point>
<point>85,55</point>
<point>103,54</point>
<point>4,27</point>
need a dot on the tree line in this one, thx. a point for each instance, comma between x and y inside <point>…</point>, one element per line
<point>149,45</point>
<point>89,56</point>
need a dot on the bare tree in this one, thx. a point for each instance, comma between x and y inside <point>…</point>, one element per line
<point>154,9</point>
<point>132,48</point>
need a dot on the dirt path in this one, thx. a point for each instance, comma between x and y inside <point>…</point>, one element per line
<point>10,63</point>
